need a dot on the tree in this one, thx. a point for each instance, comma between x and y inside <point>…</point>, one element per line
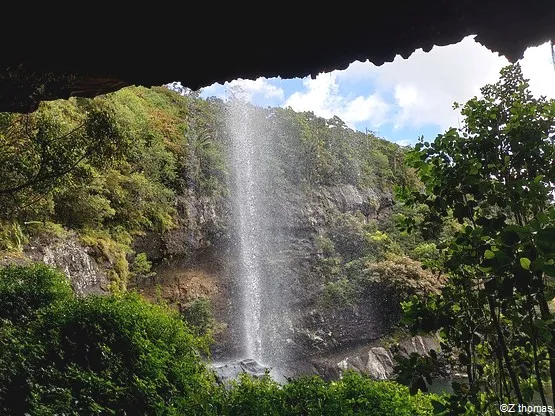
<point>94,355</point>
<point>496,177</point>
<point>37,150</point>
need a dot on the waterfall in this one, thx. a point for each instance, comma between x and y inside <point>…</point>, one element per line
<point>248,221</point>
<point>262,297</point>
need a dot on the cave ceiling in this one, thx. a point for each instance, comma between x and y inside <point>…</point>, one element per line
<point>97,51</point>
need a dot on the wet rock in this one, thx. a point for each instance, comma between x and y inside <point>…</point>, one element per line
<point>226,372</point>
<point>375,361</point>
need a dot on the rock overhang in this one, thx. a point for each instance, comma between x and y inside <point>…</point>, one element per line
<point>97,51</point>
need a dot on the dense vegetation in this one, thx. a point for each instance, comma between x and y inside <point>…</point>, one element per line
<point>120,165</point>
<point>495,176</point>
<point>118,354</point>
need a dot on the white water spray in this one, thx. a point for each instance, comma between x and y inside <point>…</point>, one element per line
<point>246,195</point>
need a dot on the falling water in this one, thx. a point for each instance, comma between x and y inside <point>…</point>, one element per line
<point>249,217</point>
<point>259,226</point>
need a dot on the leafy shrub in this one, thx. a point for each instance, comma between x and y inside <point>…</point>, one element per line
<point>141,268</point>
<point>12,237</point>
<point>349,237</point>
<point>25,291</point>
<point>95,355</point>
<point>339,293</point>
<point>253,397</point>
<point>402,275</point>
<point>309,396</point>
<point>425,251</point>
<point>354,394</point>
<point>114,252</point>
<point>121,355</point>
<point>199,317</point>
<point>83,206</point>
<point>324,245</point>
<point>44,228</point>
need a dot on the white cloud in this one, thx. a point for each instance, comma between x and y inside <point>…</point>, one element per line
<point>537,65</point>
<point>246,89</point>
<point>404,142</point>
<point>370,108</point>
<point>214,90</point>
<point>322,96</point>
<point>249,89</point>
<point>404,94</point>
<point>425,86</point>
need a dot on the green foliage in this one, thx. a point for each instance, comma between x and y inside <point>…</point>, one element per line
<point>313,151</point>
<point>107,249</point>
<point>416,370</point>
<point>250,396</point>
<point>354,256</point>
<point>109,163</point>
<point>40,149</point>
<point>325,245</point>
<point>495,176</point>
<point>138,202</point>
<point>12,238</point>
<point>402,276</point>
<point>199,317</point>
<point>94,355</point>
<point>426,251</point>
<point>339,293</point>
<point>25,291</point>
<point>44,228</point>
<point>119,354</point>
<point>124,164</point>
<point>354,394</point>
<point>141,268</point>
<point>353,239</point>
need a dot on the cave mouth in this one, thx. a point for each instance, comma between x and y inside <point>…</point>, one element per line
<point>112,51</point>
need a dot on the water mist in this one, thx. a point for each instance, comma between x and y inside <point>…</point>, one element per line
<point>262,297</point>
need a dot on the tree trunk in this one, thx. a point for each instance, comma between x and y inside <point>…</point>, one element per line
<point>505,352</point>
<point>546,315</point>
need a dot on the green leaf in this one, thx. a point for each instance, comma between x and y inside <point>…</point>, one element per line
<point>546,239</point>
<point>489,254</point>
<point>537,264</point>
<point>549,270</point>
<point>542,218</point>
<point>525,263</point>
<point>509,238</point>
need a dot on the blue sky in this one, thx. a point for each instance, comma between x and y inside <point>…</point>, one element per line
<point>401,100</point>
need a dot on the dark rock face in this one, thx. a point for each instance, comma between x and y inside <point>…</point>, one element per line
<point>202,223</point>
<point>298,211</point>
<point>32,70</point>
<point>299,218</point>
<point>320,332</point>
<point>307,332</point>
